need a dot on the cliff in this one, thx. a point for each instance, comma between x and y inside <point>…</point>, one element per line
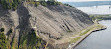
<point>51,24</point>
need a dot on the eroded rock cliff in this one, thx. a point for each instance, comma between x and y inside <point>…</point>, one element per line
<point>54,24</point>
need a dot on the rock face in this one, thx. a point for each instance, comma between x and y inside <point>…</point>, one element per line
<point>52,23</point>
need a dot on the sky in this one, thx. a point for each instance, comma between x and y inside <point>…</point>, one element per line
<point>80,0</point>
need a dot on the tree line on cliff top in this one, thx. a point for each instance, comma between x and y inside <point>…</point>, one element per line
<point>13,4</point>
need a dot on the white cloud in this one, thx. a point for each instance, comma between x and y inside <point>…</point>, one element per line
<point>79,0</point>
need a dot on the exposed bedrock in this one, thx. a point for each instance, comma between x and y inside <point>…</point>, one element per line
<point>51,23</point>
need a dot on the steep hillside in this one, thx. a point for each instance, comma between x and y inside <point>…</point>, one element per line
<point>51,25</point>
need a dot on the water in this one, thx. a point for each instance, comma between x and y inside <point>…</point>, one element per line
<point>95,7</point>
<point>104,9</point>
<point>98,40</point>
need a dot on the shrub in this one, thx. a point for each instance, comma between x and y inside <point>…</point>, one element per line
<point>43,3</point>
<point>9,4</point>
<point>68,5</point>
<point>3,41</point>
<point>53,3</point>
<point>2,29</point>
<point>31,40</point>
<point>37,3</point>
<point>59,3</point>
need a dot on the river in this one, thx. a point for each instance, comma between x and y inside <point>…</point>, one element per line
<point>104,9</point>
<point>93,7</point>
<point>98,40</point>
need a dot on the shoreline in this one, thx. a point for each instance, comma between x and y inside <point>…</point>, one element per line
<point>73,45</point>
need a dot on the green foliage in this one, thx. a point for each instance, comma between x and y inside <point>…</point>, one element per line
<point>37,3</point>
<point>31,40</point>
<point>34,47</point>
<point>13,4</point>
<point>10,30</point>
<point>2,30</point>
<point>53,3</point>
<point>92,17</point>
<point>75,39</point>
<point>9,4</point>
<point>43,3</point>
<point>68,5</point>
<point>3,41</point>
<point>96,26</point>
<point>68,30</point>
<point>100,17</point>
<point>86,31</point>
<point>50,3</point>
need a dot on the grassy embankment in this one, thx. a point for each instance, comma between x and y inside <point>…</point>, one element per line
<point>96,26</point>
<point>85,32</point>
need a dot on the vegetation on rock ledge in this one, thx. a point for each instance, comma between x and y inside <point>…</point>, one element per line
<point>31,41</point>
<point>3,40</point>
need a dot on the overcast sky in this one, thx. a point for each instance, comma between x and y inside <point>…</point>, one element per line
<point>79,0</point>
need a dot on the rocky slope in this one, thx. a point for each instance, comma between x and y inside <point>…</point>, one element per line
<point>52,23</point>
